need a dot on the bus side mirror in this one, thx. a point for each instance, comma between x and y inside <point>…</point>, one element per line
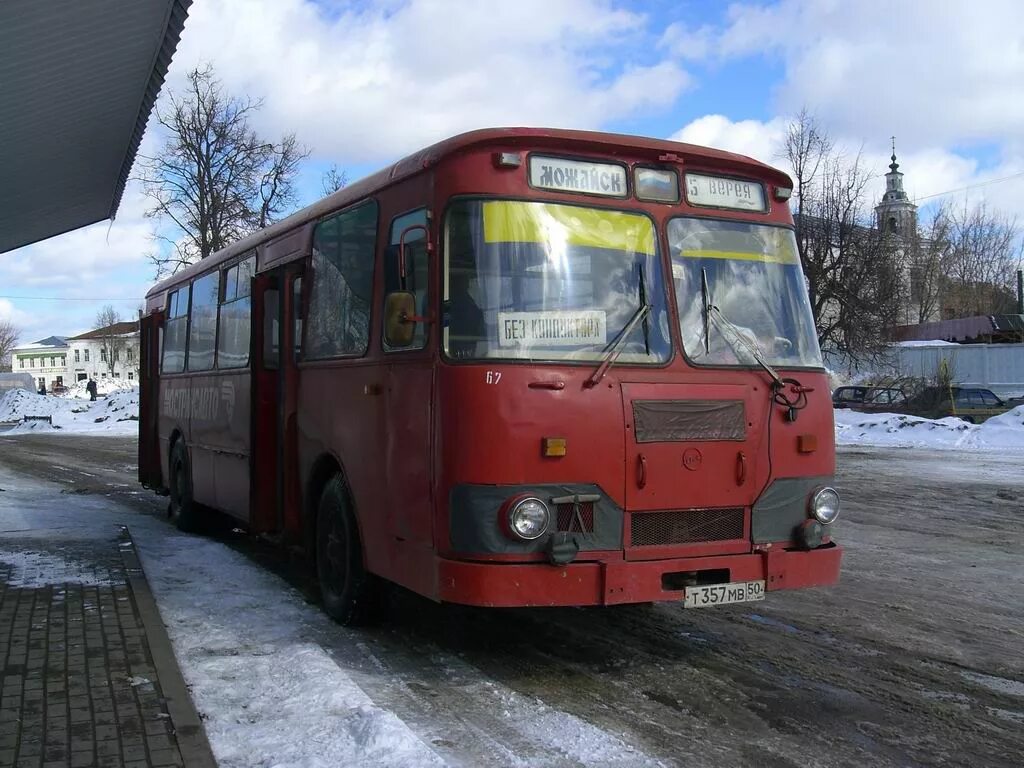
<point>399,318</point>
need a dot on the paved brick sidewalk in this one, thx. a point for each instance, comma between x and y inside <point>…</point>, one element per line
<point>80,684</point>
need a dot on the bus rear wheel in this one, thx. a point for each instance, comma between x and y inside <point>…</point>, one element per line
<point>351,595</point>
<point>182,508</point>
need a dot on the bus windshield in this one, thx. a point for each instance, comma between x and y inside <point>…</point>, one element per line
<point>544,281</point>
<point>741,294</point>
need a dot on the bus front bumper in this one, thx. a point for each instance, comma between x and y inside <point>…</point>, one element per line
<point>510,585</point>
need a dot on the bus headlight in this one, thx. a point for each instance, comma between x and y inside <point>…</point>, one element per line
<point>825,505</point>
<point>528,519</point>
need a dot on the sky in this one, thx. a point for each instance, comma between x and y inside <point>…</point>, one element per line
<point>364,82</point>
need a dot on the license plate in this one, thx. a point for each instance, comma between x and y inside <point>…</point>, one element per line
<point>723,594</point>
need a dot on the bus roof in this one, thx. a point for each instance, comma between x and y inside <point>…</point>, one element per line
<point>425,158</point>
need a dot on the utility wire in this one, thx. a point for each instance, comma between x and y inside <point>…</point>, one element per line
<point>972,186</point>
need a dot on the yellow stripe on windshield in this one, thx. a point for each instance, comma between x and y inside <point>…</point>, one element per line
<point>767,258</point>
<point>510,221</point>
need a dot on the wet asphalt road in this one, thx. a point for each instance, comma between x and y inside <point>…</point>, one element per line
<point>915,658</point>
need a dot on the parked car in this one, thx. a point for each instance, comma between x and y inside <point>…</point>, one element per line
<point>864,398</point>
<point>973,404</point>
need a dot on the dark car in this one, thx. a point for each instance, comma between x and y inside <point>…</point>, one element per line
<point>864,398</point>
<point>972,404</point>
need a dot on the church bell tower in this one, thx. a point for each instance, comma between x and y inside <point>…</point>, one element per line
<point>896,214</point>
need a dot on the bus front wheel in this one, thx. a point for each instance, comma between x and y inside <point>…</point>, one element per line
<point>351,596</point>
<point>182,507</point>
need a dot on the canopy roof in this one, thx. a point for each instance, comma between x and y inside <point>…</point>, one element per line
<point>77,83</point>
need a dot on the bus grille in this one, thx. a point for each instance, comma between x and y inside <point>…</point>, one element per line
<point>567,520</point>
<point>688,526</point>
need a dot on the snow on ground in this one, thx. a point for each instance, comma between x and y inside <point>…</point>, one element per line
<point>103,387</point>
<point>40,569</point>
<point>1003,432</point>
<point>929,343</point>
<point>117,414</point>
<point>253,653</point>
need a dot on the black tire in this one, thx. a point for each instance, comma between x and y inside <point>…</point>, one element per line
<point>351,596</point>
<point>183,510</point>
<point>968,419</point>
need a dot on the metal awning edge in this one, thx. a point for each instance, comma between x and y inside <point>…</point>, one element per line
<point>177,14</point>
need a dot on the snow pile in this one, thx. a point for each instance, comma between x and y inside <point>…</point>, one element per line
<point>1003,432</point>
<point>117,414</point>
<point>929,343</point>
<point>20,402</point>
<point>103,387</point>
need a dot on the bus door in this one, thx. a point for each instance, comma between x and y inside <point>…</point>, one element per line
<point>408,409</point>
<point>150,474</point>
<point>276,327</point>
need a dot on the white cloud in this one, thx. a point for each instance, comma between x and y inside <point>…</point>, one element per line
<point>927,171</point>
<point>759,140</point>
<point>369,84</point>
<point>363,83</point>
<point>930,72</point>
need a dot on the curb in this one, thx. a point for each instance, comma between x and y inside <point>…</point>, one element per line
<point>188,727</point>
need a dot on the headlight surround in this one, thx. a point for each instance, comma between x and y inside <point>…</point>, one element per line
<point>528,518</point>
<point>824,505</point>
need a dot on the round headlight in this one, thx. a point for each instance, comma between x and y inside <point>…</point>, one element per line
<point>825,505</point>
<point>529,518</point>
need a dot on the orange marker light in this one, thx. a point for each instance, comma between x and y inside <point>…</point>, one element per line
<point>807,443</point>
<point>553,446</point>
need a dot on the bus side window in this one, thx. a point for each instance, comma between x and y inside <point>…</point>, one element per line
<point>338,321</point>
<point>416,266</point>
<point>175,333</point>
<point>202,331</point>
<point>271,329</point>
<point>235,320</point>
<point>297,309</point>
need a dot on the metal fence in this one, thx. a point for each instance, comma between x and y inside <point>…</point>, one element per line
<point>999,367</point>
<point>9,381</point>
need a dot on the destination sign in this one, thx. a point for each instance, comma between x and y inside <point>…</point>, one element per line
<point>720,192</point>
<point>552,329</point>
<point>565,175</point>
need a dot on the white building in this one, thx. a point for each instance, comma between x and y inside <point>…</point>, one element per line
<point>105,353</point>
<point>45,360</point>
<point>58,361</point>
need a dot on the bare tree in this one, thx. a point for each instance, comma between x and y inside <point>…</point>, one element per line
<point>333,180</point>
<point>983,257</point>
<point>852,269</point>
<point>214,180</point>
<point>930,255</point>
<point>8,340</point>
<point>114,341</point>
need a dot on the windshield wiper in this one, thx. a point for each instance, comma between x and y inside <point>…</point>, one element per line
<point>705,303</point>
<point>615,349</point>
<point>746,344</point>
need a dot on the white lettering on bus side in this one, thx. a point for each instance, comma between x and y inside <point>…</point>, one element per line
<point>199,403</point>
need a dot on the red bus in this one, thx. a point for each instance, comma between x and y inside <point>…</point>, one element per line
<point>520,367</point>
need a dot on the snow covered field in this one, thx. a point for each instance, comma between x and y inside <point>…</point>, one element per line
<point>999,433</point>
<point>116,414</point>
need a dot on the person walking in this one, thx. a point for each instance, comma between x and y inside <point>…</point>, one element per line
<point>91,389</point>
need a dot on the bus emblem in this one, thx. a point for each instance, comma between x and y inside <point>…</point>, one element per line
<point>692,459</point>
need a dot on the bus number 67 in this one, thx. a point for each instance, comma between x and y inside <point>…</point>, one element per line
<point>493,377</point>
